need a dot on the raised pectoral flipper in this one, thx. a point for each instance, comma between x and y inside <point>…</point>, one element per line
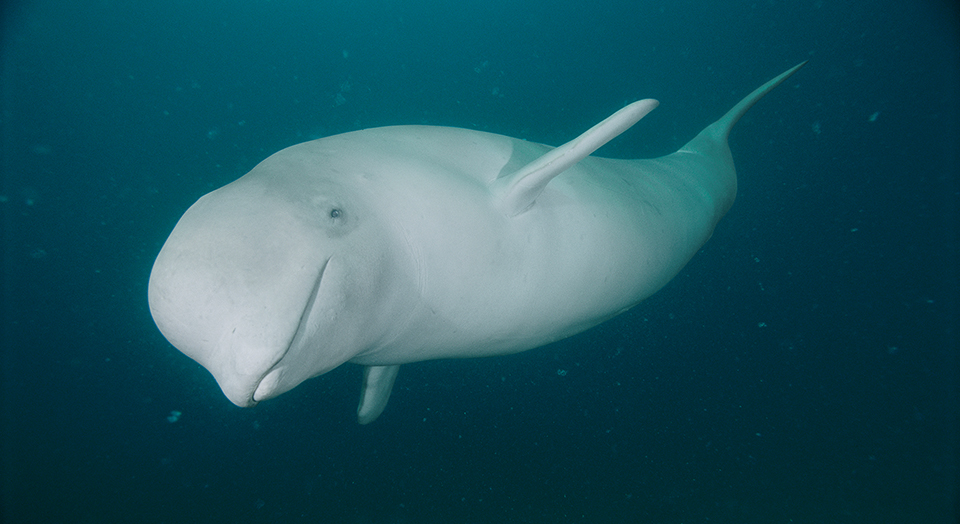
<point>520,189</point>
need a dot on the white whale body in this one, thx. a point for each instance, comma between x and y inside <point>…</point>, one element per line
<point>401,244</point>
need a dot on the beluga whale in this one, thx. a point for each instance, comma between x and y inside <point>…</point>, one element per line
<point>393,245</point>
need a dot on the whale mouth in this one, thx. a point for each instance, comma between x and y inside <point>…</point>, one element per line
<point>270,383</point>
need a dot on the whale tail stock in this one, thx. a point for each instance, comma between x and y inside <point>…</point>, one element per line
<point>720,130</point>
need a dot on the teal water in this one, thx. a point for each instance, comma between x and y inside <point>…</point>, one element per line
<point>801,369</point>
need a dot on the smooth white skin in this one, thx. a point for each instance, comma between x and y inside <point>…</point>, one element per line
<point>402,244</point>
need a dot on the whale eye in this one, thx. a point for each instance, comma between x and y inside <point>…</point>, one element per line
<point>335,213</point>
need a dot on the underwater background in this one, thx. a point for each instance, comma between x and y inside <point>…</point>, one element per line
<point>801,369</point>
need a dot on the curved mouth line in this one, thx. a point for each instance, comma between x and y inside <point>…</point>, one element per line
<point>307,309</point>
<point>301,328</point>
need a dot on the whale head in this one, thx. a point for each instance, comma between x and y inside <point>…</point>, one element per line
<point>275,277</point>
